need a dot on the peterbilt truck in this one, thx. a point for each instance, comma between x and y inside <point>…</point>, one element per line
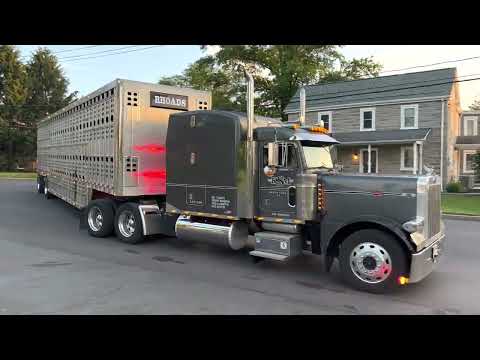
<point>166,164</point>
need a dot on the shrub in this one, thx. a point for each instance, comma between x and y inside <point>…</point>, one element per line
<point>454,187</point>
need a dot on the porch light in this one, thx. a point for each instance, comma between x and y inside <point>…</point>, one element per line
<point>355,156</point>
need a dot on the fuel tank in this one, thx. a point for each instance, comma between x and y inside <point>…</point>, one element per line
<point>233,235</point>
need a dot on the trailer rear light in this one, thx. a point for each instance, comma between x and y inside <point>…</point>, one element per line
<point>151,148</point>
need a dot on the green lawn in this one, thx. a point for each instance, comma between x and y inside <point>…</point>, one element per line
<point>18,175</point>
<point>461,204</point>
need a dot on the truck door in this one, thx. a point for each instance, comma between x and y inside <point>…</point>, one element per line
<point>276,193</point>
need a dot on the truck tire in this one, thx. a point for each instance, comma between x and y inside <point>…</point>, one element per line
<point>40,184</point>
<point>48,194</point>
<point>128,224</point>
<point>100,216</point>
<point>372,260</point>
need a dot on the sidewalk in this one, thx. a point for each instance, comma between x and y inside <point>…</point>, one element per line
<point>461,217</point>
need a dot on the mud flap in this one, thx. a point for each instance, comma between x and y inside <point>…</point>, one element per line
<point>82,214</point>
<point>327,262</point>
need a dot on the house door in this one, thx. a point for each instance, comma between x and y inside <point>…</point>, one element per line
<point>364,161</point>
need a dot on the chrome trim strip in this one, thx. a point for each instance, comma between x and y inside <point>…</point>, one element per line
<point>370,193</point>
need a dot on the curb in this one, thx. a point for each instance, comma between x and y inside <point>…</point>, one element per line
<point>2,178</point>
<point>461,217</point>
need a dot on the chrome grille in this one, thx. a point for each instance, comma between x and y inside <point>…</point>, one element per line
<point>433,210</point>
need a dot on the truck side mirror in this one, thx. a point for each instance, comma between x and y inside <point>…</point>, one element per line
<point>272,154</point>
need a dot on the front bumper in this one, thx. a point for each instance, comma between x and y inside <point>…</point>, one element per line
<point>425,261</point>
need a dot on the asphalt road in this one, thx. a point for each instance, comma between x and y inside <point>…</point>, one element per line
<point>49,266</point>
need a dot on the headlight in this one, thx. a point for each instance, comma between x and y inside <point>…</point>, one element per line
<point>415,225</point>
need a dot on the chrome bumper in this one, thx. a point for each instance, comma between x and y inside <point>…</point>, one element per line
<point>425,261</point>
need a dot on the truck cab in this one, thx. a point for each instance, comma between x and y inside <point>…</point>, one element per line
<point>280,195</point>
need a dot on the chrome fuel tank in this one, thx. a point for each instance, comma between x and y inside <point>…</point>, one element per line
<point>233,235</point>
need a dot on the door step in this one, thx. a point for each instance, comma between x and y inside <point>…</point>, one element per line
<point>276,246</point>
<point>267,255</point>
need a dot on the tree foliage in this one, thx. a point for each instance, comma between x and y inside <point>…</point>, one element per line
<point>12,97</point>
<point>28,92</point>
<point>279,70</point>
<point>475,105</point>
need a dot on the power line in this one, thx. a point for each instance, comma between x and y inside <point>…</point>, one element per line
<point>117,53</point>
<point>331,97</point>
<point>63,51</point>
<point>97,52</point>
<point>404,88</point>
<point>433,64</point>
<point>357,92</point>
<point>76,49</point>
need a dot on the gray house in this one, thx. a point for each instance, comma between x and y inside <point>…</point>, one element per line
<point>390,124</point>
<point>467,144</point>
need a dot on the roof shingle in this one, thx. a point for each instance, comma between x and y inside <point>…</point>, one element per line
<point>431,83</point>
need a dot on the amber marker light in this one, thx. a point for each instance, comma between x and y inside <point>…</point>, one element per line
<point>403,280</point>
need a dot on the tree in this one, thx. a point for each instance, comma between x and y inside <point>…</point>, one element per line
<point>475,105</point>
<point>47,85</point>
<point>47,89</point>
<point>279,70</point>
<point>204,74</point>
<point>12,99</point>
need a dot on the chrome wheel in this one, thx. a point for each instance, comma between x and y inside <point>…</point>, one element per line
<point>95,218</point>
<point>370,262</point>
<point>126,223</point>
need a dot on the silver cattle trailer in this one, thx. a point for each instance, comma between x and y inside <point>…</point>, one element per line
<point>111,145</point>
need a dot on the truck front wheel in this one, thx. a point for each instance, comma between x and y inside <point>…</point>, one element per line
<point>372,260</point>
<point>128,224</point>
<point>100,218</point>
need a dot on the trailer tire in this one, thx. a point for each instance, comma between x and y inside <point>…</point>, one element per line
<point>100,216</point>
<point>372,260</point>
<point>40,184</point>
<point>46,192</point>
<point>128,224</point>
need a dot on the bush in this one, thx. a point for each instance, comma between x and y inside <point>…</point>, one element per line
<point>454,187</point>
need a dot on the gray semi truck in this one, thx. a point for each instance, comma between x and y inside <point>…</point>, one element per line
<point>144,159</point>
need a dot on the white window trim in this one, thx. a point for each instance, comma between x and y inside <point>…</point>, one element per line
<point>402,116</point>
<point>402,157</point>
<point>475,125</point>
<point>330,123</point>
<point>360,163</point>
<point>465,153</point>
<point>363,110</point>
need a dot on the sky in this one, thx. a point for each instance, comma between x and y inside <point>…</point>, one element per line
<point>90,67</point>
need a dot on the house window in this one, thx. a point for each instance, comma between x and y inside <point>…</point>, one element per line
<point>367,119</point>
<point>326,117</point>
<point>409,116</point>
<point>406,158</point>
<point>468,161</point>
<point>470,126</point>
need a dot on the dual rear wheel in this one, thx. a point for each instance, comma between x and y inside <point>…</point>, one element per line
<point>103,218</point>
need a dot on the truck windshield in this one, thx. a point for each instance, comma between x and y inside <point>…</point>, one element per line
<point>318,157</point>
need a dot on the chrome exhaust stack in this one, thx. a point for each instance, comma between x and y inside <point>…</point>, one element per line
<point>250,148</point>
<point>302,106</point>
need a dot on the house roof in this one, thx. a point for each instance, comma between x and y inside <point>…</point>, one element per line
<point>424,84</point>
<point>382,136</point>
<point>467,140</point>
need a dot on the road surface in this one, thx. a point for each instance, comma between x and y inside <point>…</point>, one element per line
<point>49,266</point>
